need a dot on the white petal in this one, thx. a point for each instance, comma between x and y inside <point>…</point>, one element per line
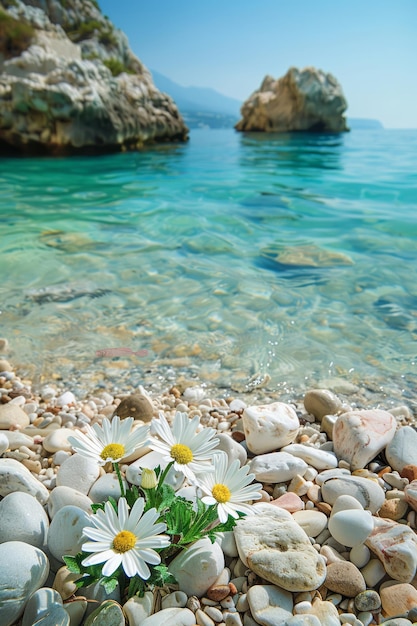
<point>112,564</point>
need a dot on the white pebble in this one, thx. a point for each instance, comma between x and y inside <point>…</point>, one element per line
<point>360,555</point>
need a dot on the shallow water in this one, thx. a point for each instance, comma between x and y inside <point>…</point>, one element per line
<point>282,260</point>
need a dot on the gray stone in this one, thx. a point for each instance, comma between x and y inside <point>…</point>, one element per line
<point>26,571</point>
<point>321,402</point>
<point>109,613</point>
<point>66,532</point>
<point>104,487</point>
<point>269,605</point>
<point>23,519</point>
<point>45,608</point>
<point>16,477</point>
<point>64,496</point>
<point>368,493</point>
<point>76,611</point>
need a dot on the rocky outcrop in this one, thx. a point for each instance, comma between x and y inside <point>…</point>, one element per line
<point>302,100</point>
<point>70,83</point>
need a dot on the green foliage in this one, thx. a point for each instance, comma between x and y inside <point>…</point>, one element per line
<point>91,574</point>
<point>15,36</point>
<point>116,67</point>
<point>87,30</point>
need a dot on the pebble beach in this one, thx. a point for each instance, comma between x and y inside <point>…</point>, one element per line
<point>332,541</point>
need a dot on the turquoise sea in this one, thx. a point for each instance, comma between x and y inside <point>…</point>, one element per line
<point>286,261</point>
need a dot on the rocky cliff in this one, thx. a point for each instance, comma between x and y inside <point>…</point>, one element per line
<point>70,83</point>
<point>302,100</point>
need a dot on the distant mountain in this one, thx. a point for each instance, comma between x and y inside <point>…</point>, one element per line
<point>362,123</point>
<point>200,106</point>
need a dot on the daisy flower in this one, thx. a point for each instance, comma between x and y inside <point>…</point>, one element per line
<point>188,449</point>
<point>125,539</point>
<point>229,486</point>
<point>112,441</point>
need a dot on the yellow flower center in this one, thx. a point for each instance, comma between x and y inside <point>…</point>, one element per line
<point>124,541</point>
<point>113,451</point>
<point>181,454</point>
<point>221,493</point>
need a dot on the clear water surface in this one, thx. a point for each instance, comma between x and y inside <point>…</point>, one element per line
<point>243,260</point>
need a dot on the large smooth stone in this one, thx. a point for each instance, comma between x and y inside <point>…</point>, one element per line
<point>268,427</point>
<point>345,578</point>
<point>326,612</point>
<point>351,527</point>
<point>359,436</point>
<point>104,487</point>
<point>277,467</point>
<point>65,535</point>
<point>138,609</point>
<point>233,449</point>
<point>16,477</point>
<point>45,608</point>
<point>58,440</point>
<point>76,611</point>
<point>312,522</point>
<point>27,569</point>
<point>109,613</point>
<point>65,496</point>
<point>269,605</point>
<point>12,415</point>
<point>276,548</point>
<point>78,472</point>
<point>23,519</point>
<point>321,402</point>
<point>4,443</point>
<point>368,493</point>
<point>402,449</point>
<point>198,567</point>
<point>396,547</point>
<point>320,459</point>
<point>398,599</point>
<point>17,439</point>
<point>173,617</point>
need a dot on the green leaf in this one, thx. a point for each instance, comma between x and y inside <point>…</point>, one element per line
<point>132,494</point>
<point>72,563</point>
<point>114,504</point>
<point>167,496</point>
<point>109,584</point>
<point>97,507</point>
<point>161,576</point>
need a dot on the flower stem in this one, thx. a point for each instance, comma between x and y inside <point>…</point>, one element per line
<point>164,474</point>
<point>119,476</point>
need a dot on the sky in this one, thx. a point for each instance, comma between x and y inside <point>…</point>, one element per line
<point>370,46</point>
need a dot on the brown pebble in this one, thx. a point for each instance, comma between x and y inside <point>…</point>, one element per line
<point>175,392</point>
<point>393,508</point>
<point>217,593</point>
<point>398,599</point>
<point>137,406</point>
<point>345,578</point>
<point>238,436</point>
<point>324,507</point>
<point>410,472</point>
<point>233,589</point>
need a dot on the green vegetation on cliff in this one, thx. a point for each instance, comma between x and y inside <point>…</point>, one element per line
<point>15,36</point>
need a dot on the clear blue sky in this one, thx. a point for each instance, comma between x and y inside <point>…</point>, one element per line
<point>230,45</point>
